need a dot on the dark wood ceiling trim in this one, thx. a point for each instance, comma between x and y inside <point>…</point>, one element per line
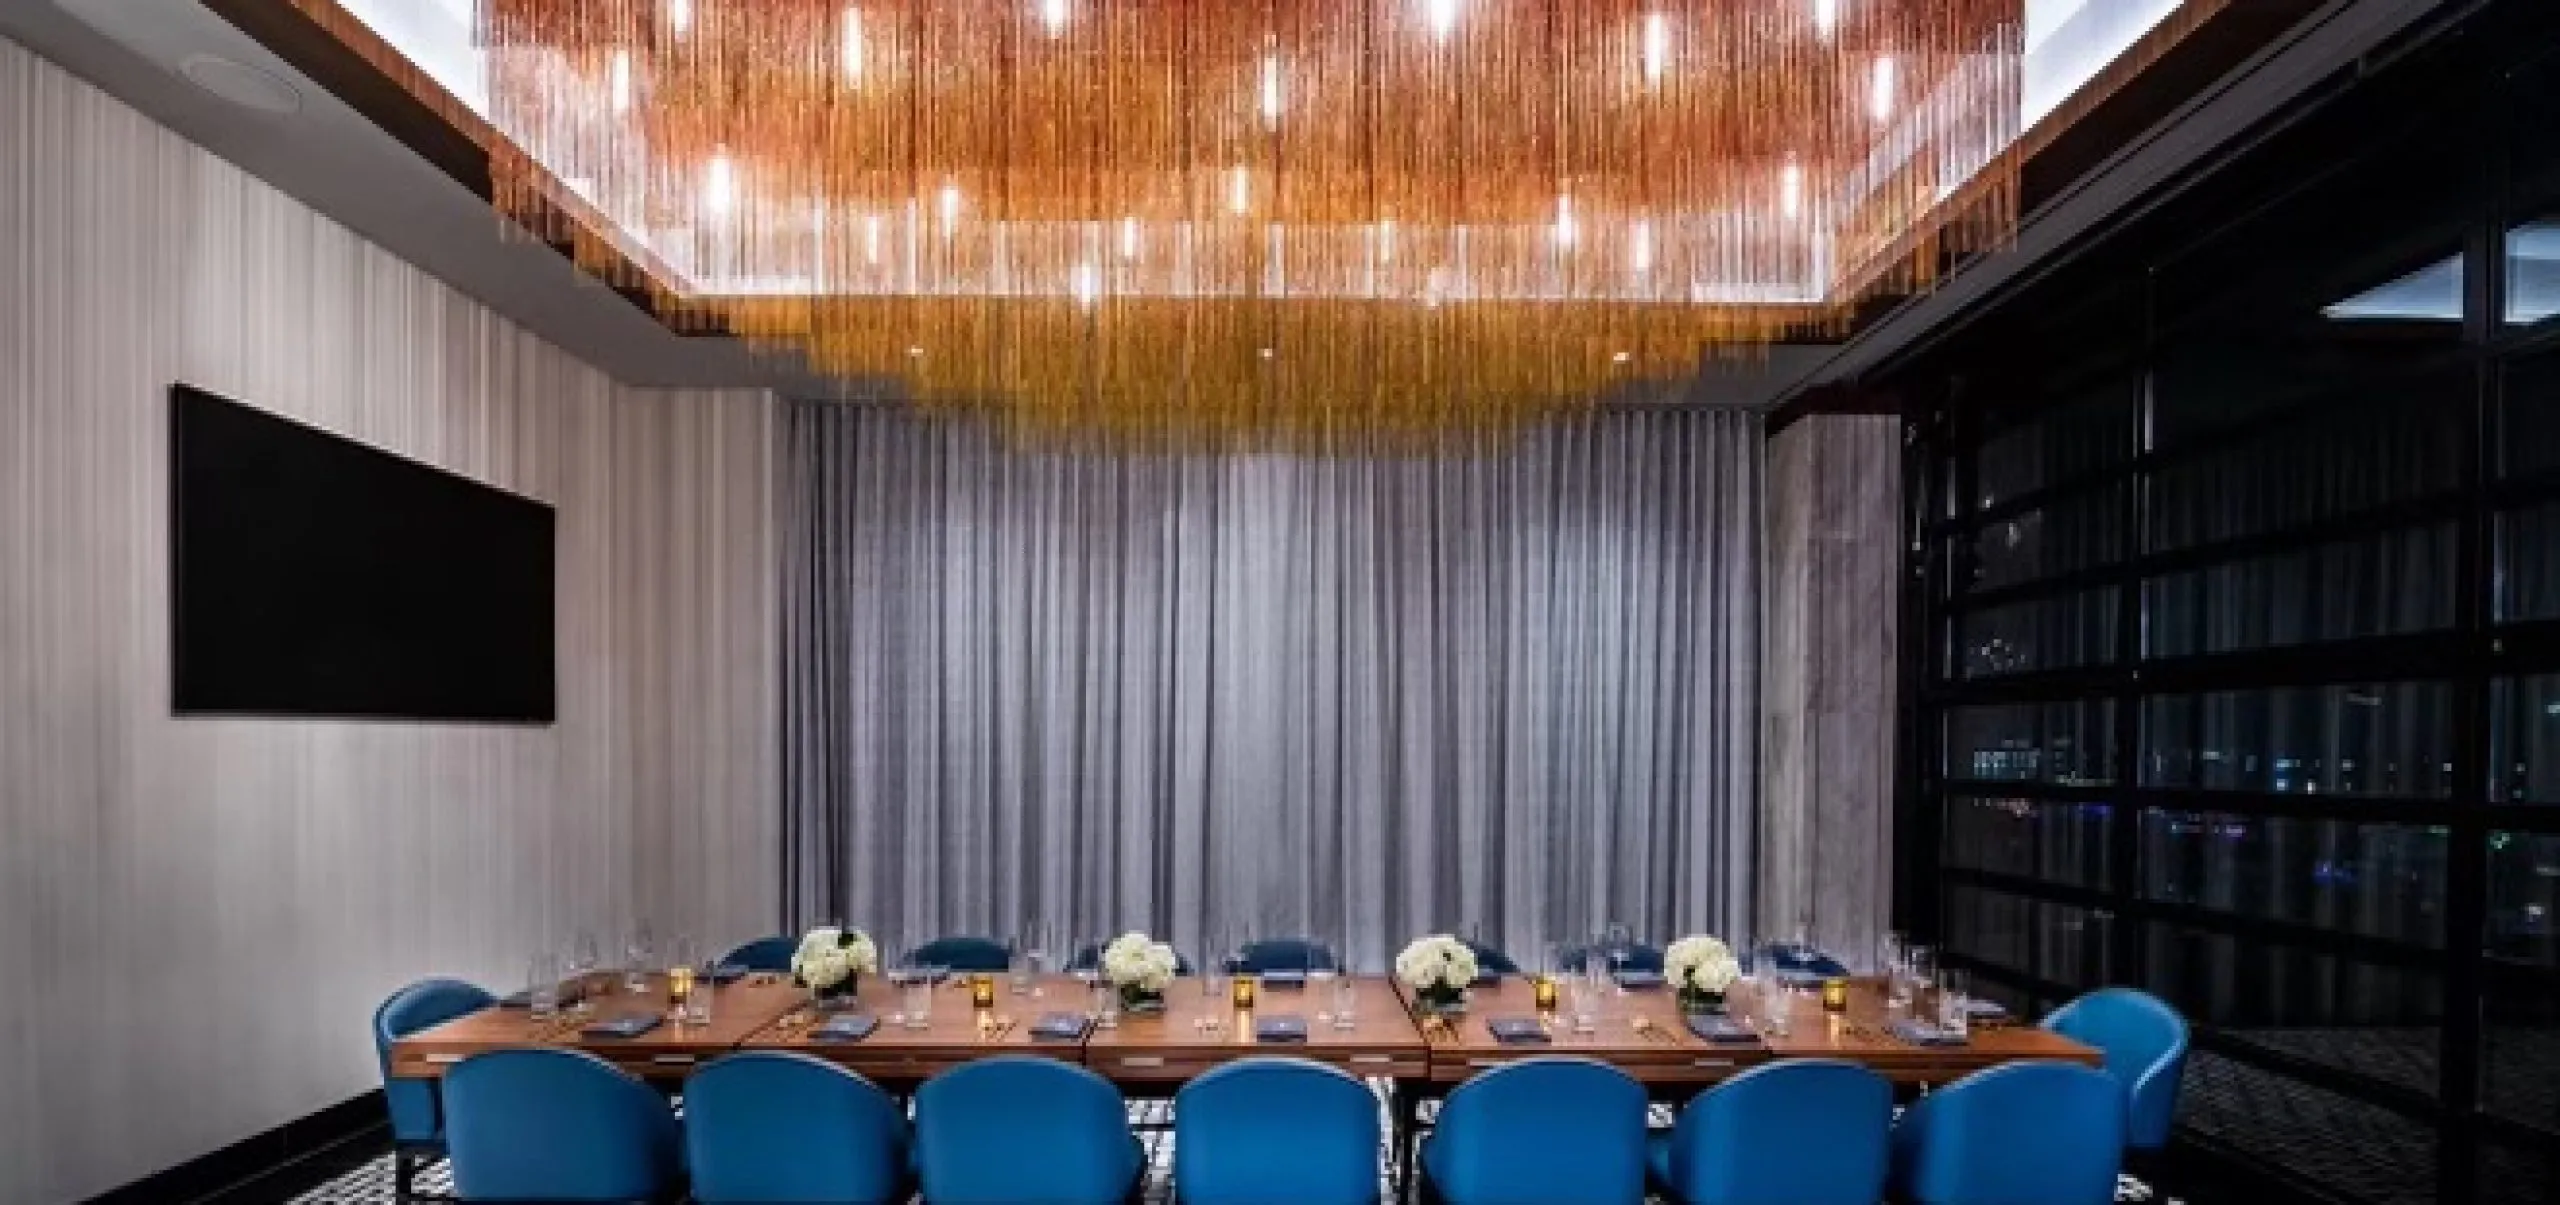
<point>345,58</point>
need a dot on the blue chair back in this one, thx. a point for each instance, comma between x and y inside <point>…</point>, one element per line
<point>773,1128</point>
<point>1797,1132</point>
<point>1089,957</point>
<point>2017,1134</point>
<point>1275,1129</point>
<point>1018,1128</point>
<point>415,1115</point>
<point>1541,1131</point>
<point>965,954</point>
<point>1283,954</point>
<point>1636,956</point>
<point>557,1125</point>
<point>2145,1042</point>
<point>1491,961</point>
<point>763,954</point>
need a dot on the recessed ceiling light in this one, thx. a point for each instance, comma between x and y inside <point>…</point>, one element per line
<point>241,84</point>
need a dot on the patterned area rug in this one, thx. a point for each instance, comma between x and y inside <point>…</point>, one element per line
<point>372,1183</point>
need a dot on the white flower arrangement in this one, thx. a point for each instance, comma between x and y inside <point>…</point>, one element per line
<point>1439,968</point>
<point>1700,966</point>
<point>1139,965</point>
<point>830,958</point>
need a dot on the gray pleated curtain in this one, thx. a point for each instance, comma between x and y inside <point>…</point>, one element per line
<point>1512,690</point>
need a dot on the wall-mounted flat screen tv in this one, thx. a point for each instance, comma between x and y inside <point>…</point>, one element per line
<point>317,576</point>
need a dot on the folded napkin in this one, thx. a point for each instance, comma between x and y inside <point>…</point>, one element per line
<point>1060,1027</point>
<point>1280,1029</point>
<point>1634,979</point>
<point>1274,981</point>
<point>1517,1031</point>
<point>1920,1033</point>
<point>1799,978</point>
<point>727,972</point>
<point>1721,1030</point>
<point>1985,1010</point>
<point>845,1027</point>
<point>571,991</point>
<point>1487,978</point>
<point>907,975</point>
<point>622,1027</point>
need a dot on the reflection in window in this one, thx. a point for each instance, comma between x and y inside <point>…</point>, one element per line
<point>2330,465</point>
<point>2533,272</point>
<point>2033,742</point>
<point>2529,563</point>
<point>2379,880</point>
<point>2521,1012</point>
<point>2397,582</point>
<point>2032,937</point>
<point>2047,633</point>
<point>2430,294</point>
<point>2531,441</point>
<point>2068,442</point>
<point>2055,842</point>
<point>2071,534</point>
<point>2268,988</point>
<point>2524,739</point>
<point>2392,739</point>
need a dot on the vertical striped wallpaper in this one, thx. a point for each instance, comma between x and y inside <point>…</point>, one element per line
<point>197,917</point>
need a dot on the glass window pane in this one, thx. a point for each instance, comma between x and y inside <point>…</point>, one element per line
<point>2524,739</point>
<point>2075,439</point>
<point>2379,880</point>
<point>2072,533</point>
<point>2529,563</point>
<point>2033,937</point>
<point>2071,742</point>
<point>2046,633</point>
<point>2397,582</point>
<point>2054,842</point>
<point>2392,739</point>
<point>2517,1175</point>
<point>2521,1038</point>
<point>2366,1018</point>
<point>2533,271</point>
<point>2407,444</point>
<point>2531,406</point>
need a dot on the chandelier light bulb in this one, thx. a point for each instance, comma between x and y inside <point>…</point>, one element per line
<point>1640,247</point>
<point>680,16</point>
<point>1240,190</point>
<point>1826,16</point>
<point>1442,15</point>
<point>1387,241</point>
<point>1657,47</point>
<point>719,186</point>
<point>1565,228</point>
<point>1270,91</point>
<point>871,239</point>
<point>1129,238</point>
<point>617,75</point>
<point>1087,282</point>
<point>1791,191</point>
<point>1880,89</point>
<point>950,207</point>
<point>851,53</point>
<point>1053,13</point>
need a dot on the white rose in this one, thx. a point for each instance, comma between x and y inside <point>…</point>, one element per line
<point>1701,963</point>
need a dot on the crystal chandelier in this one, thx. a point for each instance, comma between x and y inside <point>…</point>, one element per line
<point>1309,218</point>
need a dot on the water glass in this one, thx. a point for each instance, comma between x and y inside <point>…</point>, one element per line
<point>1952,998</point>
<point>637,956</point>
<point>1106,1004</point>
<point>1777,1005</point>
<point>542,987</point>
<point>1585,988</point>
<point>697,1003</point>
<point>1346,1002</point>
<point>1919,970</point>
<point>921,984</point>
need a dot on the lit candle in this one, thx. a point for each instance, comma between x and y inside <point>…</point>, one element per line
<point>982,991</point>
<point>1244,991</point>
<point>1835,995</point>
<point>1545,991</point>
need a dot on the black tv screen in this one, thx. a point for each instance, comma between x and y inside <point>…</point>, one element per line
<point>316,576</point>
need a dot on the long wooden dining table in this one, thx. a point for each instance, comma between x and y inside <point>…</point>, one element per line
<point>1641,1032</point>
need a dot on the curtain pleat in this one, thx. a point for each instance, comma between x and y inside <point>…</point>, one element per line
<point>1510,691</point>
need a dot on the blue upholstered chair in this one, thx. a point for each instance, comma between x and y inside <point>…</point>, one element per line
<point>773,1128</point>
<point>557,1125</point>
<point>763,954</point>
<point>1490,961</point>
<point>1267,1130</point>
<point>1016,1128</point>
<point>417,1113</point>
<point>965,954</point>
<point>2145,1042</point>
<point>1797,1132</point>
<point>2017,1134</point>
<point>1541,1131</point>
<point>1283,954</point>
<point>1635,956</point>
<point>1089,957</point>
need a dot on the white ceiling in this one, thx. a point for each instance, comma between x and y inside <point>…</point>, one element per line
<point>340,164</point>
